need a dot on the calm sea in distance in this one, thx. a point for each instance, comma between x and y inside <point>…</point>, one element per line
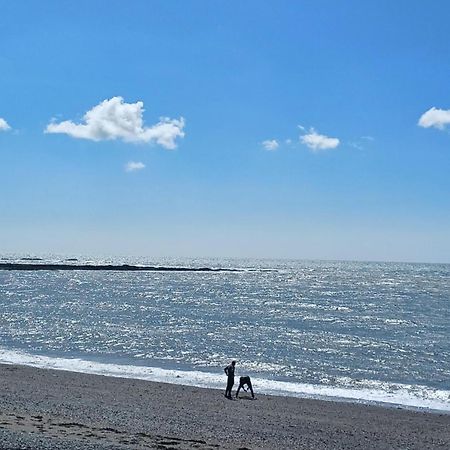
<point>370,332</point>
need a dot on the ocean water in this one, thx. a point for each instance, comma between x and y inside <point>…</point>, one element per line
<point>370,332</point>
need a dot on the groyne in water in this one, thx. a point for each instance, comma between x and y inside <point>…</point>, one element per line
<point>112,267</point>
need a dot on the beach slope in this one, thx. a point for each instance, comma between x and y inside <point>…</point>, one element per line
<point>42,408</point>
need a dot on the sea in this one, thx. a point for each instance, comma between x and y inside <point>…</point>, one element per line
<point>368,332</point>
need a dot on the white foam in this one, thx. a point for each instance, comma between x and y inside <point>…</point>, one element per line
<point>414,396</point>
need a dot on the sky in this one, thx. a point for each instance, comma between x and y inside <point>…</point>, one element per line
<point>293,129</point>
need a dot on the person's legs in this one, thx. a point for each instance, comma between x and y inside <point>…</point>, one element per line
<point>230,384</point>
<point>249,384</point>
<point>238,389</point>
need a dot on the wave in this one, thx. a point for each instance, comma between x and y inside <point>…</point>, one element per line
<point>369,391</point>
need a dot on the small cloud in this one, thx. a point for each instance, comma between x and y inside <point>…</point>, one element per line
<point>132,166</point>
<point>356,145</point>
<point>114,119</point>
<point>362,142</point>
<point>4,125</point>
<point>270,144</point>
<point>316,141</point>
<point>288,141</point>
<point>435,117</point>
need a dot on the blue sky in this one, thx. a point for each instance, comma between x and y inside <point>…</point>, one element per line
<point>291,129</point>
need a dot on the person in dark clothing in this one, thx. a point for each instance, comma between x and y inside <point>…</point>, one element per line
<point>229,371</point>
<point>243,381</point>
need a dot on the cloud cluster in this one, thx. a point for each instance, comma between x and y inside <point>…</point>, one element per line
<point>435,117</point>
<point>270,144</point>
<point>114,119</point>
<point>316,141</point>
<point>132,166</point>
<point>4,125</point>
<point>311,138</point>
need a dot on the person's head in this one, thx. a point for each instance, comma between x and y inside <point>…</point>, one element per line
<point>233,363</point>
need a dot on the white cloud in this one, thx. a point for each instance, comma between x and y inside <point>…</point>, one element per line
<point>114,119</point>
<point>356,145</point>
<point>434,117</point>
<point>362,142</point>
<point>270,144</point>
<point>4,125</point>
<point>132,166</point>
<point>316,141</point>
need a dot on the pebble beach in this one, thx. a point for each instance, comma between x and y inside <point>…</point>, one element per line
<point>44,408</point>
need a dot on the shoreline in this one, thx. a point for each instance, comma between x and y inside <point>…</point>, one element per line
<point>63,409</point>
<point>391,395</point>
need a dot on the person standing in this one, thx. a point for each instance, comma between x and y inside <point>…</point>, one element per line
<point>229,371</point>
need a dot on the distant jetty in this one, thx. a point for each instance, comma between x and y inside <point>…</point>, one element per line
<point>111,267</point>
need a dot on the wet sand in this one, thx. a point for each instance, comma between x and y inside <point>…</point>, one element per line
<point>42,408</point>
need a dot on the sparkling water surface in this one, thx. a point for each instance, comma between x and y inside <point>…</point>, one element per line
<point>350,325</point>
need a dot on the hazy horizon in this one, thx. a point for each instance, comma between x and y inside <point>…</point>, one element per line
<point>142,257</point>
